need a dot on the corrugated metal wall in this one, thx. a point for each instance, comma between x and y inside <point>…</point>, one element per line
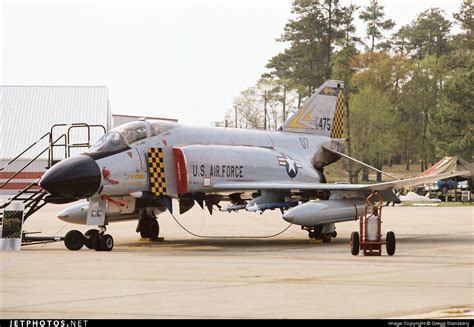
<point>27,112</point>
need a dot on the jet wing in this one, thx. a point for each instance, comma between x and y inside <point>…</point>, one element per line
<point>289,186</point>
<point>415,180</point>
<point>283,186</point>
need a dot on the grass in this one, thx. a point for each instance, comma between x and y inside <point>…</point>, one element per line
<point>336,172</point>
<point>441,204</point>
<point>455,204</point>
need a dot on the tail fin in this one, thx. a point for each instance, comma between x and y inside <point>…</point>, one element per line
<point>322,113</point>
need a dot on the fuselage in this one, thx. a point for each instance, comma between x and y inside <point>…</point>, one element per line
<point>119,168</point>
<point>209,156</point>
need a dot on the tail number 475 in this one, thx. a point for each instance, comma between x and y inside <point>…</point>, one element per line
<point>323,124</point>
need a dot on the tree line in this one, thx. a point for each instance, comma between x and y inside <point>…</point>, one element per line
<point>408,92</point>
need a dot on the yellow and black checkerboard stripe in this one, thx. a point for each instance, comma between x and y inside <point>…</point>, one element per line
<point>156,167</point>
<point>338,121</point>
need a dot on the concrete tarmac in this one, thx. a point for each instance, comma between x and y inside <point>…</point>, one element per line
<point>430,275</point>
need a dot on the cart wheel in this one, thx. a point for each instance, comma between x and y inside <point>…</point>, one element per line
<point>390,243</point>
<point>74,240</point>
<point>355,243</point>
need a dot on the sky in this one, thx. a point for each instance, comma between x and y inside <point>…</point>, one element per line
<point>184,59</point>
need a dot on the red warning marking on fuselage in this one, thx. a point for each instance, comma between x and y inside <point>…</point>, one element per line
<point>106,175</point>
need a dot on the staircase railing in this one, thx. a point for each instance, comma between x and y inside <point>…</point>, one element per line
<point>32,195</point>
<point>32,160</point>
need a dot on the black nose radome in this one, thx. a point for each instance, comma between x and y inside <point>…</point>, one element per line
<point>77,177</point>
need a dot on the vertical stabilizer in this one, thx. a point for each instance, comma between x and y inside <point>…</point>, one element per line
<point>322,113</point>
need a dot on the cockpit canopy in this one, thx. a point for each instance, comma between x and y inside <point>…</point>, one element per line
<point>110,142</point>
<point>121,137</point>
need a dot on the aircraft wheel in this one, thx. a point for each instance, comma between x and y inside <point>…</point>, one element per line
<point>311,234</point>
<point>74,240</point>
<point>106,242</point>
<point>154,229</point>
<point>355,245</point>
<point>89,238</point>
<point>318,233</point>
<point>96,242</point>
<point>318,229</point>
<point>326,238</point>
<point>334,234</point>
<point>149,228</point>
<point>390,243</point>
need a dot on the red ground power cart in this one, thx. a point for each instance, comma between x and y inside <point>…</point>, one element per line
<point>370,239</point>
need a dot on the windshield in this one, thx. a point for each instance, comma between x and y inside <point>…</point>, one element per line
<point>110,142</point>
<point>119,138</point>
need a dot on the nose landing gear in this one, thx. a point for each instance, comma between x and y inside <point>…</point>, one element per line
<point>93,239</point>
<point>102,241</point>
<point>89,238</point>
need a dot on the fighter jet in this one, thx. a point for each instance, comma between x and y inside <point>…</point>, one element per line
<point>135,170</point>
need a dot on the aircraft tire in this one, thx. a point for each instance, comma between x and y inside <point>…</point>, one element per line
<point>154,229</point>
<point>318,232</point>
<point>311,234</point>
<point>326,237</point>
<point>149,228</point>
<point>390,243</point>
<point>89,238</point>
<point>334,234</point>
<point>106,242</point>
<point>355,245</point>
<point>74,240</point>
<point>96,243</point>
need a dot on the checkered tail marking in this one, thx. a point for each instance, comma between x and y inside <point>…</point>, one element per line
<point>338,122</point>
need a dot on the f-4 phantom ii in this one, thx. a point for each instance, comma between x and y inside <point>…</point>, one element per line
<point>135,170</point>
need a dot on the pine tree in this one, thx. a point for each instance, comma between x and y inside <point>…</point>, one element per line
<point>373,16</point>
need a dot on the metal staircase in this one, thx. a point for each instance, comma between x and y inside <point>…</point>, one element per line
<point>32,195</point>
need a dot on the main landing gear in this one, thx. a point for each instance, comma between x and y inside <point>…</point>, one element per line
<point>322,232</point>
<point>148,227</point>
<point>93,239</point>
